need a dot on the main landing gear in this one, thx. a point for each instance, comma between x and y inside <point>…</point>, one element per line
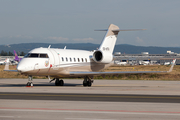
<point>59,82</point>
<point>87,81</point>
<point>30,81</point>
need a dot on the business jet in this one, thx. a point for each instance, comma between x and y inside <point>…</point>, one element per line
<point>67,63</point>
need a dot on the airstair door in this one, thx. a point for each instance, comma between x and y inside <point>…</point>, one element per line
<point>55,61</point>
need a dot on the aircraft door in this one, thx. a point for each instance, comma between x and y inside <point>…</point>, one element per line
<point>55,61</point>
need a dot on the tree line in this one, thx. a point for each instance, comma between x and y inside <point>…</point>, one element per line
<point>4,53</point>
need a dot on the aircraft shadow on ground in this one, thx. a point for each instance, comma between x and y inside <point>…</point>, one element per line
<point>39,84</point>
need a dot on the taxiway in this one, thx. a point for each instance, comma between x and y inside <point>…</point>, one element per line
<point>105,100</point>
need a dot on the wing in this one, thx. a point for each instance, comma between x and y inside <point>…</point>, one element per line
<point>12,70</point>
<point>119,72</point>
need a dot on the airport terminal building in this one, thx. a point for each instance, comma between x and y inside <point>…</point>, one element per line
<point>134,59</point>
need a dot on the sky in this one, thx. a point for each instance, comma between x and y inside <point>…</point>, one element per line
<point>74,21</point>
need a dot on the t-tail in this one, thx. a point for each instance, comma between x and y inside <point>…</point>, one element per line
<point>110,38</point>
<point>104,53</point>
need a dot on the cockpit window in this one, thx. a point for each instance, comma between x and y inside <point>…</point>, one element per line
<point>44,56</point>
<point>27,55</point>
<point>36,55</point>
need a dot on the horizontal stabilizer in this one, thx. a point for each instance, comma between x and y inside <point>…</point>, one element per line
<point>101,30</point>
<point>118,30</point>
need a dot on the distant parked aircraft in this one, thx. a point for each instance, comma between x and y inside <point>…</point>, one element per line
<point>121,62</point>
<point>2,62</point>
<point>144,62</point>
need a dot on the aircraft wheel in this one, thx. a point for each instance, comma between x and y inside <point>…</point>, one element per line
<point>85,83</point>
<point>61,83</point>
<point>57,82</point>
<point>29,84</point>
<point>89,83</point>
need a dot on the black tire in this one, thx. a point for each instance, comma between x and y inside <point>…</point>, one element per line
<point>85,83</point>
<point>89,83</point>
<point>61,83</point>
<point>57,82</point>
<point>28,84</point>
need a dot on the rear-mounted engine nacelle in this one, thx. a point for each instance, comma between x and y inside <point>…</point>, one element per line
<point>102,57</point>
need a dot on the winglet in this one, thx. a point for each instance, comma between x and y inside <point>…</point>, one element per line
<point>172,66</point>
<point>6,68</point>
<point>7,64</point>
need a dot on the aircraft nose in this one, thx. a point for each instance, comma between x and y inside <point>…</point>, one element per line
<point>20,68</point>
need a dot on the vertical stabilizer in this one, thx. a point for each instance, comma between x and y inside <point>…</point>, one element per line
<point>110,38</point>
<point>16,56</point>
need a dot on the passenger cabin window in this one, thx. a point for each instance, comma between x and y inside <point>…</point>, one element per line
<point>86,59</point>
<point>74,59</point>
<point>70,59</point>
<point>62,59</point>
<point>78,60</point>
<point>82,60</point>
<point>67,59</point>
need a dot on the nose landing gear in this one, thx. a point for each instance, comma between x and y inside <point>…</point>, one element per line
<point>30,81</point>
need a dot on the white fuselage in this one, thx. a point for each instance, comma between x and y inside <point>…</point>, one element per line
<point>58,62</point>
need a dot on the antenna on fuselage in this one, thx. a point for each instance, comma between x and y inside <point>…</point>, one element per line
<point>64,47</point>
<point>49,46</point>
